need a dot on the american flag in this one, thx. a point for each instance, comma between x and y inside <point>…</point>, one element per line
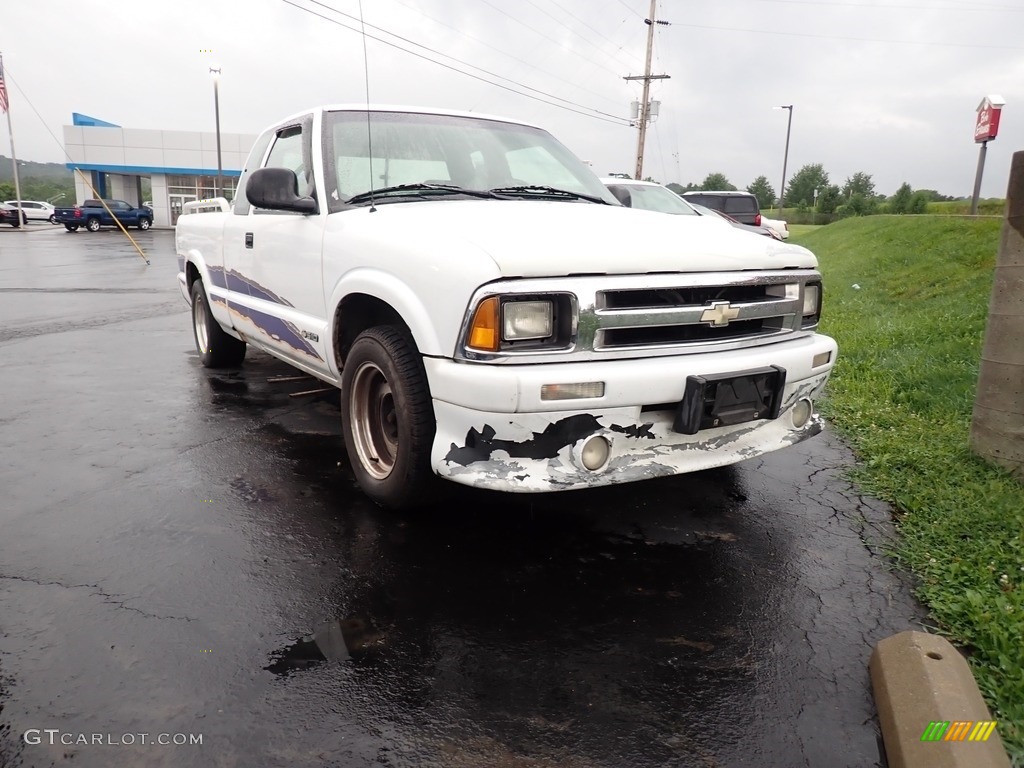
<point>4,103</point>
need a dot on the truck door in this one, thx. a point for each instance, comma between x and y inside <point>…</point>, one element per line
<point>276,258</point>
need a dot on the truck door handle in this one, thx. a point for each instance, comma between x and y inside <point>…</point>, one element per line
<point>248,239</point>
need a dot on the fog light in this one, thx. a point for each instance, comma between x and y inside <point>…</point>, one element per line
<point>595,453</point>
<point>821,359</point>
<point>582,391</point>
<point>802,412</point>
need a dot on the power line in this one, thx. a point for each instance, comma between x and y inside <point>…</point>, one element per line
<point>850,39</point>
<point>619,48</point>
<point>583,110</point>
<point>630,9</point>
<point>518,58</point>
<point>550,40</point>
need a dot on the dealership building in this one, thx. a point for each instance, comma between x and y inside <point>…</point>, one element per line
<point>180,165</point>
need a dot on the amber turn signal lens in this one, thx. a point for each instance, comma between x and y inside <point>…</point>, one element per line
<point>483,331</point>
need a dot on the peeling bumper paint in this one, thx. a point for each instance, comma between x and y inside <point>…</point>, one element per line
<point>540,451</point>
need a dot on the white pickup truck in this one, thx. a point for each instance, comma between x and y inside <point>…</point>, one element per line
<point>492,315</point>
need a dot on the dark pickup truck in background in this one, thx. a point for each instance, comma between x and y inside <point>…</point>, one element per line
<point>92,215</point>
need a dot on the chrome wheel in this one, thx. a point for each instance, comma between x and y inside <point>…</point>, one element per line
<point>143,224</point>
<point>374,420</point>
<point>199,321</point>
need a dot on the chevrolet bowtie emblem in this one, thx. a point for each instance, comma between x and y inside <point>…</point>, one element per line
<point>719,314</point>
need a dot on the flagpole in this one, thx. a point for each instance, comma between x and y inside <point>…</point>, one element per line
<point>14,157</point>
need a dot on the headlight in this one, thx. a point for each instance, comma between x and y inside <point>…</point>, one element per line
<point>812,304</point>
<point>522,320</point>
<point>522,323</point>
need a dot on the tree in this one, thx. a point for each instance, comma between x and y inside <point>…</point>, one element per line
<point>804,183</point>
<point>762,190</point>
<point>918,203</point>
<point>717,181</point>
<point>900,202</point>
<point>859,184</point>
<point>828,199</point>
<point>862,205</point>
<point>934,197</point>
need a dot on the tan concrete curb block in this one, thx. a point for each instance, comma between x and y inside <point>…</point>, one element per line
<point>918,679</point>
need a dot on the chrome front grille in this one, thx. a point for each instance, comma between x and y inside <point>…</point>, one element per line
<point>623,316</point>
<point>701,314</point>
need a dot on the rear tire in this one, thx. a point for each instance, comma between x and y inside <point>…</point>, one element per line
<point>216,347</point>
<point>71,227</point>
<point>93,224</point>
<point>387,418</point>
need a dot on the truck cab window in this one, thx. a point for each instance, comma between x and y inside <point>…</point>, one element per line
<point>287,153</point>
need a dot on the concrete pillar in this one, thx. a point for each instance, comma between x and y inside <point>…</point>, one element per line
<point>161,205</point>
<point>997,429</point>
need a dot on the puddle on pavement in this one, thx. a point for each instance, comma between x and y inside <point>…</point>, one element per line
<point>335,640</point>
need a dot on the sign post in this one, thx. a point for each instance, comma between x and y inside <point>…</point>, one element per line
<point>985,129</point>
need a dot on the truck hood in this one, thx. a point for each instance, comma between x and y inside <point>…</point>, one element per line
<point>536,238</point>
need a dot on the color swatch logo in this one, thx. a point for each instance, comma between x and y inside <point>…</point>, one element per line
<point>959,730</point>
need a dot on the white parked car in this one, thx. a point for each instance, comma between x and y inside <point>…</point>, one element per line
<point>35,210</point>
<point>780,227</point>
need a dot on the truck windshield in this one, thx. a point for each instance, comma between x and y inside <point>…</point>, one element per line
<point>468,153</point>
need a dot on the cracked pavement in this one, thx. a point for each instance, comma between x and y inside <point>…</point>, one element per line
<point>186,552</point>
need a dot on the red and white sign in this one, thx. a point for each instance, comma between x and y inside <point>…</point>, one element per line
<point>987,126</point>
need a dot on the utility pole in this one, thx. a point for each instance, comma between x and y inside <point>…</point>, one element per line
<point>645,104</point>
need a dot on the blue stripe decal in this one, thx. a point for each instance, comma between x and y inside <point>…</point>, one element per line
<point>237,283</point>
<point>277,329</point>
<point>256,290</point>
<point>217,277</point>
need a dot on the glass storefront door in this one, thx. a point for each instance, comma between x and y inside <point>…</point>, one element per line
<point>177,202</point>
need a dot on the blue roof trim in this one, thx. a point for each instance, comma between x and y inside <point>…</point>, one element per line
<point>145,170</point>
<point>77,118</point>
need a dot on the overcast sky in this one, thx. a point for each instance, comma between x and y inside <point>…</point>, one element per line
<point>888,88</point>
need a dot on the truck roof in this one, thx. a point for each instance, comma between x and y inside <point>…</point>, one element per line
<point>362,107</point>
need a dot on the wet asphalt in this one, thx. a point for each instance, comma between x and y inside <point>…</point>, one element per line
<point>185,552</point>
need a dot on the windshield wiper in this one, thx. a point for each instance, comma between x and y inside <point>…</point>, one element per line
<point>542,191</point>
<point>405,189</point>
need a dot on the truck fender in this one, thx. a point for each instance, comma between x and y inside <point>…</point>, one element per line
<point>215,290</point>
<point>403,299</point>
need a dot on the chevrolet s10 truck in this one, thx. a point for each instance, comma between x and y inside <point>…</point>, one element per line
<point>492,315</point>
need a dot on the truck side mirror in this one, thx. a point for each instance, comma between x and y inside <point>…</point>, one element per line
<point>277,189</point>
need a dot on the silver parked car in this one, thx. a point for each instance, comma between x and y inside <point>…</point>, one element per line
<point>649,196</point>
<point>35,210</point>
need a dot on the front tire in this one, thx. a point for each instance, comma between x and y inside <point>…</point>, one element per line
<point>217,348</point>
<point>71,227</point>
<point>387,417</point>
<point>93,225</point>
<point>144,223</point>
<point>53,218</point>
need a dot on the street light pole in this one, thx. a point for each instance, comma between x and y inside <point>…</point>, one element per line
<point>215,72</point>
<point>785,157</point>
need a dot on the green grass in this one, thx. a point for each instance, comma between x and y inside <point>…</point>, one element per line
<point>907,297</point>
<point>799,230</point>
<point>991,206</point>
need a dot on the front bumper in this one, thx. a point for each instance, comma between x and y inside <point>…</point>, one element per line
<point>494,431</point>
